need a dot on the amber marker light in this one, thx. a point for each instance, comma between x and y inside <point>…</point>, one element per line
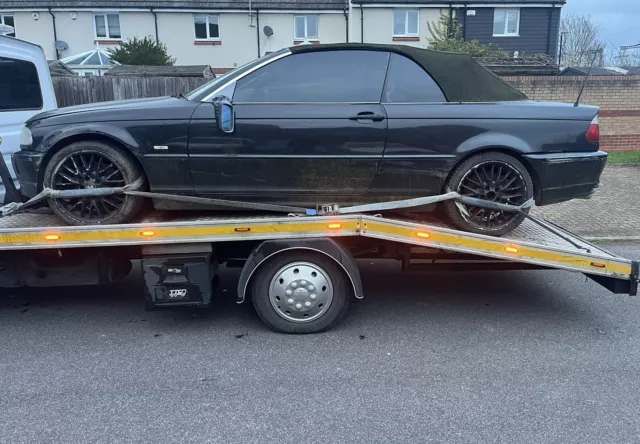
<point>52,237</point>
<point>147,233</point>
<point>334,226</point>
<point>513,250</point>
<point>423,235</point>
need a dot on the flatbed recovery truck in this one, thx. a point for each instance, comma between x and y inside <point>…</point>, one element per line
<point>299,271</point>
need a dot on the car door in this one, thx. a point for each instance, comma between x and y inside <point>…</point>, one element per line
<point>25,90</point>
<point>421,145</point>
<point>308,126</point>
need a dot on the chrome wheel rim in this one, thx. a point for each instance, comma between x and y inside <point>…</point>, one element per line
<point>301,292</point>
<point>87,170</point>
<point>495,181</point>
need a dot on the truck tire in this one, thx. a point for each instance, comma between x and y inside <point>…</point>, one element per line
<point>93,164</point>
<point>493,176</point>
<point>300,292</point>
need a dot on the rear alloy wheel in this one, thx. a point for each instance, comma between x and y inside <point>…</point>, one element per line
<point>87,165</point>
<point>495,177</point>
<point>300,292</point>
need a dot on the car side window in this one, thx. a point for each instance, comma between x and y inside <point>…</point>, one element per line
<point>409,83</point>
<point>19,85</point>
<point>351,76</point>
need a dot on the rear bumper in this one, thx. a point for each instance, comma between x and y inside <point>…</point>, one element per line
<point>566,176</point>
<point>26,165</point>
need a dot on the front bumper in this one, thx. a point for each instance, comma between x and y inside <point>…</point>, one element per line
<point>565,176</point>
<point>27,165</point>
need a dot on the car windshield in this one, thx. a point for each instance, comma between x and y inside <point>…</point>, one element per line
<point>203,91</point>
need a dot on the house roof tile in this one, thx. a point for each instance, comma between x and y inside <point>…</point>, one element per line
<point>177,4</point>
<point>459,2</point>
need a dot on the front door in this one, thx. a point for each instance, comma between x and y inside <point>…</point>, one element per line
<point>308,127</point>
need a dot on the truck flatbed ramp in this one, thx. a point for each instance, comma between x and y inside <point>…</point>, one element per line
<point>534,242</point>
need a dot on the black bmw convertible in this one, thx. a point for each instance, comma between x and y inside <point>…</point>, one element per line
<point>345,124</point>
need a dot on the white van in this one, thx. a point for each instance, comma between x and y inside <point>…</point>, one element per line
<point>26,89</point>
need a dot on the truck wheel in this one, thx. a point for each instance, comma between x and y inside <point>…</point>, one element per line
<point>300,292</point>
<point>492,176</point>
<point>92,164</point>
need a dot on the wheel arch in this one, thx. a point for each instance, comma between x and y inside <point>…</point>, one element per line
<point>510,151</point>
<point>68,139</point>
<point>328,247</point>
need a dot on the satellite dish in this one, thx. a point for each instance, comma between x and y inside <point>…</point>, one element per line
<point>6,29</point>
<point>61,45</point>
<point>268,31</point>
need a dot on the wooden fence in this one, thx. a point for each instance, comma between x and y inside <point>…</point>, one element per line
<point>79,90</point>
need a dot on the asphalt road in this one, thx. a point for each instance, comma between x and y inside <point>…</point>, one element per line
<point>512,357</point>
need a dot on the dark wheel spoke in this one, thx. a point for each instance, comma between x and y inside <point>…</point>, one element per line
<point>106,201</point>
<point>113,173</point>
<point>75,165</point>
<point>69,169</point>
<point>69,178</point>
<point>474,191</point>
<point>83,162</point>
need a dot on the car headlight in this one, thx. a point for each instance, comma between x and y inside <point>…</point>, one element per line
<point>26,139</point>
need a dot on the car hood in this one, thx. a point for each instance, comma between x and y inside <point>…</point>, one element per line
<point>158,108</point>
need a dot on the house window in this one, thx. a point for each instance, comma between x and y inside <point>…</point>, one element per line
<point>7,19</point>
<point>506,22</point>
<point>405,22</point>
<point>107,26</point>
<point>207,27</point>
<point>305,27</point>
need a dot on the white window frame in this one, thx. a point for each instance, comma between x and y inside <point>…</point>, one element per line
<point>406,23</point>
<point>208,38</point>
<point>306,17</point>
<point>506,22</point>
<point>9,14</point>
<point>108,38</point>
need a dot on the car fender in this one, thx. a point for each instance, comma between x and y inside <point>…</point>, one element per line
<point>326,246</point>
<point>494,140</point>
<point>102,129</point>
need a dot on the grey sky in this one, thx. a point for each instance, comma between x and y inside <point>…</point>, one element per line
<point>620,25</point>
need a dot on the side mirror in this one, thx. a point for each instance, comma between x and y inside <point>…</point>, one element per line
<point>225,115</point>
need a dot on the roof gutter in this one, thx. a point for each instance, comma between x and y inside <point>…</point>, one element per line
<point>55,33</point>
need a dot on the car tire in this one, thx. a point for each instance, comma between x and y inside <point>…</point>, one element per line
<point>491,176</point>
<point>115,209</point>
<point>320,278</point>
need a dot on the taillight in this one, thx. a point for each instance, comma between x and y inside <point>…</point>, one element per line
<point>593,133</point>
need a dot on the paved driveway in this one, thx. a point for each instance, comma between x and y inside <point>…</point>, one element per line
<point>612,212</point>
<point>514,357</point>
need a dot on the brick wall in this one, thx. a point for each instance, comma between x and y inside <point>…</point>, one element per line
<point>618,98</point>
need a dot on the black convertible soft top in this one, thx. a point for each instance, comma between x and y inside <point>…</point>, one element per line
<point>460,77</point>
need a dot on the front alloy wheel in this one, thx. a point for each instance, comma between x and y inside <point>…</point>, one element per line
<point>86,170</point>
<point>93,164</point>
